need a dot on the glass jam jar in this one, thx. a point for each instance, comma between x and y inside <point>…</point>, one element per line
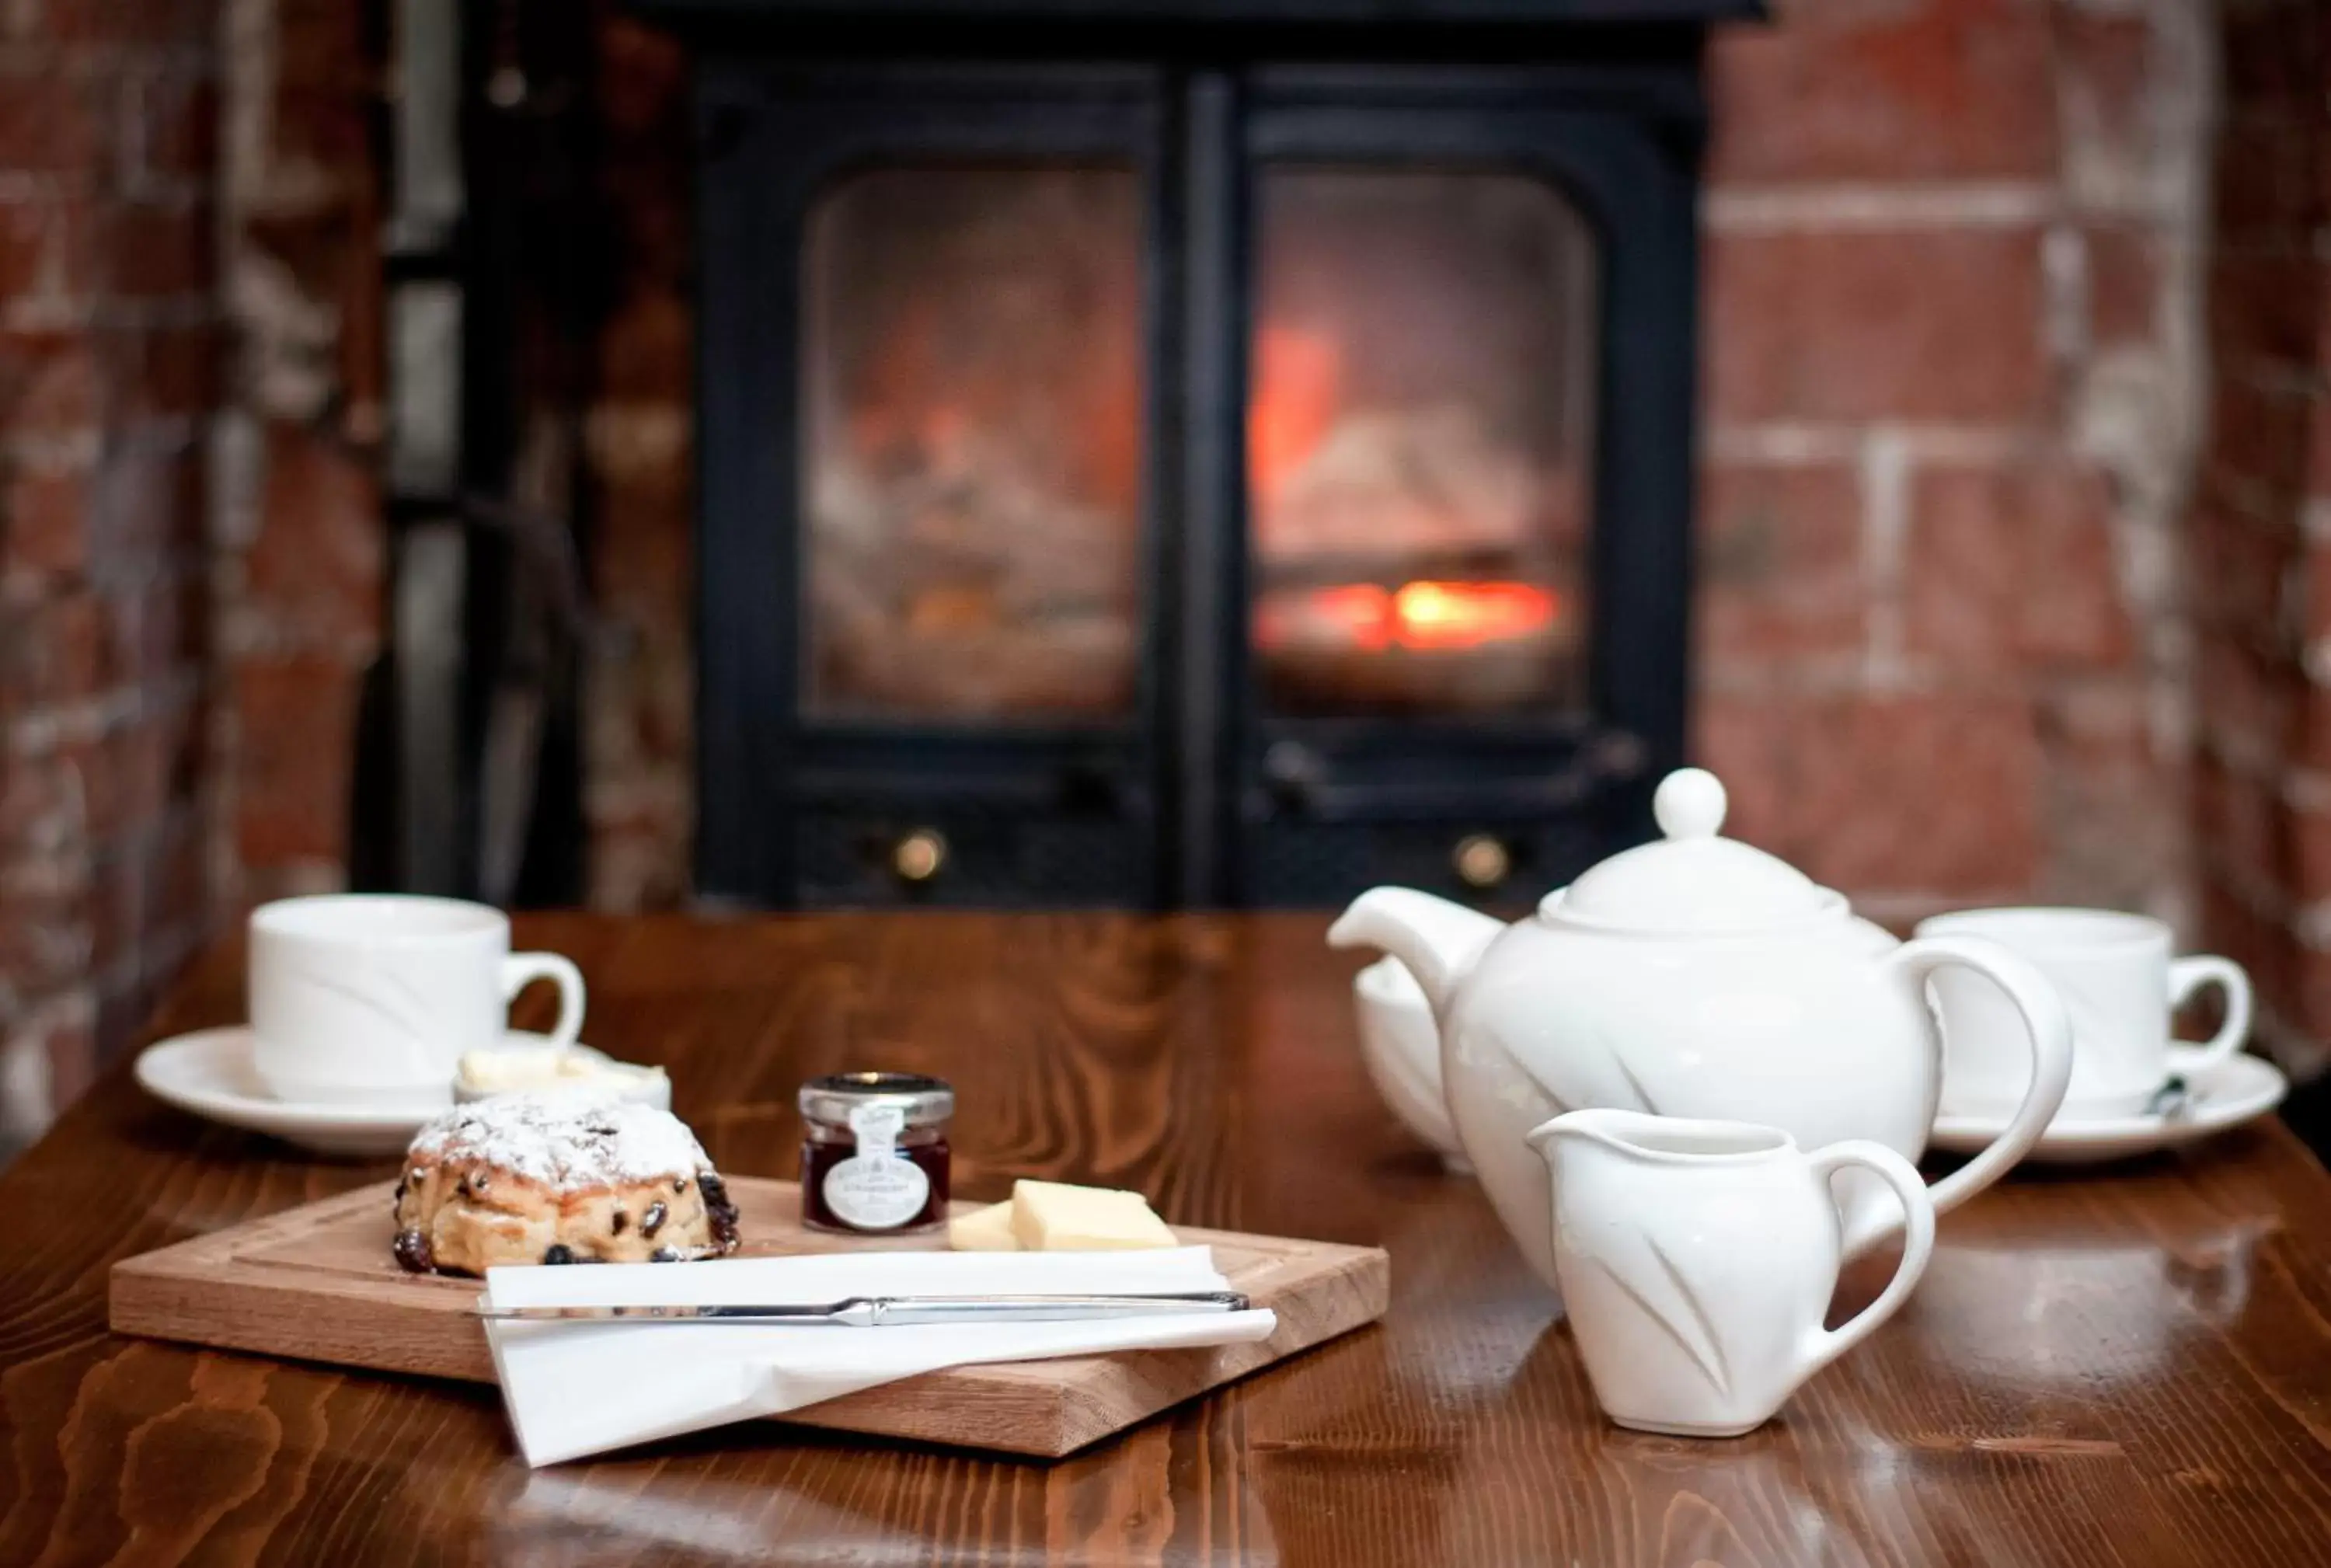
<point>874,1153</point>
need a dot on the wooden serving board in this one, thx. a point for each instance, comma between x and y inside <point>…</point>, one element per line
<point>316,1283</point>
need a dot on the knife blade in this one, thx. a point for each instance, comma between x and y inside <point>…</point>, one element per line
<point>886,1311</point>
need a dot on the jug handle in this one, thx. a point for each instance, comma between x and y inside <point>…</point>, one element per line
<point>2045,1024</point>
<point>1822,1345</point>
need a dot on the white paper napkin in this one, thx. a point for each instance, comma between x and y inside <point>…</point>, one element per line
<point>577,1389</point>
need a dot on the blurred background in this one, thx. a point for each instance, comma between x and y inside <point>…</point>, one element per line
<point>1157,455</point>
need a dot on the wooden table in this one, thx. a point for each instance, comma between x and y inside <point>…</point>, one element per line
<point>2127,1368</point>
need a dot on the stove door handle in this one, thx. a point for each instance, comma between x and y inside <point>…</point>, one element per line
<point>1297,780</point>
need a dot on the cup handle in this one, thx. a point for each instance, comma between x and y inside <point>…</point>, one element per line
<point>1822,1345</point>
<point>520,970</point>
<point>2046,1025</point>
<point>2187,975</point>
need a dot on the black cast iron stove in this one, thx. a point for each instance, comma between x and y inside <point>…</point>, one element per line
<point>1187,453</point>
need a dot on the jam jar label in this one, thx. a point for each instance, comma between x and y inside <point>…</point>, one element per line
<point>876,1189</point>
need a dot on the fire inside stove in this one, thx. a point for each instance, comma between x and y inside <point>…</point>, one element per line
<point>1418,616</point>
<point>1417,426</point>
<point>1416,443</point>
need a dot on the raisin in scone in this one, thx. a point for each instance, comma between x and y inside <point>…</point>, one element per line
<point>558,1177</point>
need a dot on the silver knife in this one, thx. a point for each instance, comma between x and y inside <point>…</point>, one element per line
<point>884,1311</point>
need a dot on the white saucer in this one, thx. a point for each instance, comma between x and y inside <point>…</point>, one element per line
<point>2238,1089</point>
<point>209,1073</point>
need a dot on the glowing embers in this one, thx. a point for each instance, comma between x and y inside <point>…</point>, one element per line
<point>1422,615</point>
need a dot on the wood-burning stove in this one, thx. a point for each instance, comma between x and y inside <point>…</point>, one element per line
<point>1190,452</point>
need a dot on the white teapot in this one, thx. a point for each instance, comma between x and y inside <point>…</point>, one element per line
<point>1699,976</point>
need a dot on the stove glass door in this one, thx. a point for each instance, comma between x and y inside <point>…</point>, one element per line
<point>972,389</point>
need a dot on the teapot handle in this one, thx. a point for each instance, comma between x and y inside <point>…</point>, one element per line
<point>2045,1023</point>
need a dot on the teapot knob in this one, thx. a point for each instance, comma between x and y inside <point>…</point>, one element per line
<point>1689,803</point>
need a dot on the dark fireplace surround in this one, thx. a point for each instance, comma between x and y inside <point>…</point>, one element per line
<point>1318,569</point>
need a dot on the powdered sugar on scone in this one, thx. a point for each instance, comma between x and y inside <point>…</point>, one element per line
<point>567,1139</point>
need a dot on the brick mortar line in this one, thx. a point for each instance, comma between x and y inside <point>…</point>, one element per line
<point>1890,906</point>
<point>50,453</point>
<point>2262,899</point>
<point>144,186</point>
<point>150,188</point>
<point>23,590</point>
<point>1776,208</point>
<point>28,1013</point>
<point>180,312</point>
<point>2275,377</point>
<point>150,954</point>
<point>150,435</point>
<point>1848,674</point>
<point>1883,479</point>
<point>1790,443</point>
<point>26,186</point>
<point>2298,1052</point>
<point>2297,244</point>
<point>33,735</point>
<point>82,61</point>
<point>253,632</point>
<point>2261,503</point>
<point>150,839</point>
<point>2251,762</point>
<point>2305,790</point>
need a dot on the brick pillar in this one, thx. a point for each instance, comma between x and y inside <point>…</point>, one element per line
<point>640,721</point>
<point>2261,525</point>
<point>299,540</point>
<point>107,336</point>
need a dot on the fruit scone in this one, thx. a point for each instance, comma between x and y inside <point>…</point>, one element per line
<point>558,1177</point>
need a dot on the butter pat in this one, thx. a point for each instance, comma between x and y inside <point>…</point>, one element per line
<point>1054,1217</point>
<point>987,1230</point>
<point>499,1072</point>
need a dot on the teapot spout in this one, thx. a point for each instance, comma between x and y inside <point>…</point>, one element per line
<point>1438,940</point>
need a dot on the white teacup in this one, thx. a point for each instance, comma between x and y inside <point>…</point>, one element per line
<point>2120,980</point>
<point>375,996</point>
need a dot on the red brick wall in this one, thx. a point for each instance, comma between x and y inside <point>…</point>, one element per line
<point>1951,390</point>
<point>2262,523</point>
<point>107,348</point>
<point>190,531</point>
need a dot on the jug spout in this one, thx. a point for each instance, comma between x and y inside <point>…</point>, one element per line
<point>1667,1140</point>
<point>1437,939</point>
<point>1594,1125</point>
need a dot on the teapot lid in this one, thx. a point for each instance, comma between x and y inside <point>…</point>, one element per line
<point>1690,880</point>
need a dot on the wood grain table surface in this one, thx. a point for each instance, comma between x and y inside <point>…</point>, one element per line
<point>2126,1367</point>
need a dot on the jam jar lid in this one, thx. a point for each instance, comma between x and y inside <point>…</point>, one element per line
<point>922,1099</point>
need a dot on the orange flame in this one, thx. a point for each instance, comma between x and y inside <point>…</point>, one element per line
<point>1298,387</point>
